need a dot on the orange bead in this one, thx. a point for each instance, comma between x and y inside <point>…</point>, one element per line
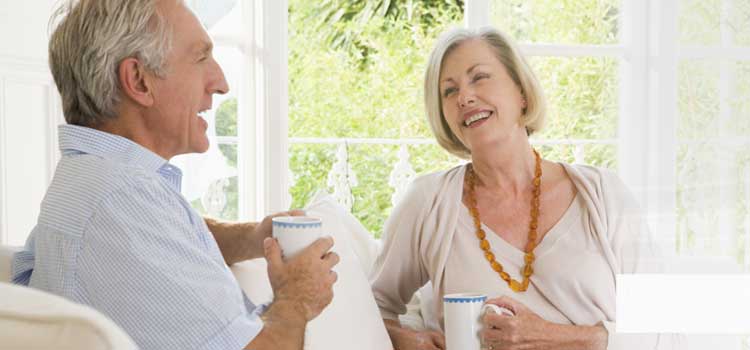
<point>484,244</point>
<point>530,247</point>
<point>515,286</point>
<point>471,181</point>
<point>529,258</point>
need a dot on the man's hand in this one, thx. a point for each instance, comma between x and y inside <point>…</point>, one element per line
<point>264,229</point>
<point>302,287</point>
<point>306,281</point>
<point>239,241</point>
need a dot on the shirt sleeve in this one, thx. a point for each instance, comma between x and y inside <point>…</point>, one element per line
<point>160,276</point>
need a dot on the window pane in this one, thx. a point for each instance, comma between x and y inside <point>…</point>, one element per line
<point>371,87</point>
<point>371,165</point>
<point>739,101</point>
<point>582,93</point>
<point>221,17</point>
<point>740,22</point>
<point>226,118</point>
<point>221,198</point>
<point>555,21</point>
<point>356,71</point>
<point>698,99</point>
<point>713,157</point>
<point>310,164</point>
<point>699,22</point>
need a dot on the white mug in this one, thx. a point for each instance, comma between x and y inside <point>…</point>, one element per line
<point>295,233</point>
<point>462,313</point>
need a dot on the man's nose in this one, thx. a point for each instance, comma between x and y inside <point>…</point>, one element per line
<point>219,83</point>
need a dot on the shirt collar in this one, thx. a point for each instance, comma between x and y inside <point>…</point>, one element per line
<point>79,139</point>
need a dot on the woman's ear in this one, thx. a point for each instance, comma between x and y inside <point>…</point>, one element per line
<point>135,82</point>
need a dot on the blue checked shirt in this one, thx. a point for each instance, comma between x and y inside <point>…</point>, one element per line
<point>115,233</point>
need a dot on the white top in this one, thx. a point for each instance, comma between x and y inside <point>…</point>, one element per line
<point>430,237</point>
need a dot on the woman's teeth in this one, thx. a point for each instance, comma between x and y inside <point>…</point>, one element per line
<point>476,117</point>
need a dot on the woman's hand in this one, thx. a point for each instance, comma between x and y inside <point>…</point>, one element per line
<point>526,330</point>
<point>407,339</point>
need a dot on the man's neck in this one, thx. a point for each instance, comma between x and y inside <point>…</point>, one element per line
<point>131,125</point>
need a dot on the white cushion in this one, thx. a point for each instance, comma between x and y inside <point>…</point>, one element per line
<point>32,319</point>
<point>352,320</point>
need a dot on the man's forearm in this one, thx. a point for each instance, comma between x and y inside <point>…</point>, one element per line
<point>283,329</point>
<point>235,240</point>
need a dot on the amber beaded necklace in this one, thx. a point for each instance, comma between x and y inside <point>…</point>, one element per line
<point>485,245</point>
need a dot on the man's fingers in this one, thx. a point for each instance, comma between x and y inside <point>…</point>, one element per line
<point>272,252</point>
<point>321,246</point>
<point>331,259</point>
<point>333,277</point>
<point>296,212</point>
<point>438,340</point>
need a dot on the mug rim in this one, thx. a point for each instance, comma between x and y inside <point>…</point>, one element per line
<point>296,221</point>
<point>464,298</point>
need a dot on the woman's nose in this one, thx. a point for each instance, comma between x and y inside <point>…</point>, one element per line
<point>466,99</point>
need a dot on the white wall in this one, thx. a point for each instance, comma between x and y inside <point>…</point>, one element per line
<point>29,113</point>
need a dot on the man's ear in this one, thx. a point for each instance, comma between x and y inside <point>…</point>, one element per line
<point>135,82</point>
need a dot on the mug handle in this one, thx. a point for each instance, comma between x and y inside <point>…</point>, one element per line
<point>496,309</point>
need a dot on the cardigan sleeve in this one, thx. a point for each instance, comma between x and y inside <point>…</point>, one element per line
<point>635,251</point>
<point>399,270</point>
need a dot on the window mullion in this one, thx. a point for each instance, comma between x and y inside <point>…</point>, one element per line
<point>275,164</point>
<point>663,114</point>
<point>477,13</point>
<point>247,112</point>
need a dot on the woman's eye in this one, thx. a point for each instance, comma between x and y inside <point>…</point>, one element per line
<point>448,91</point>
<point>480,76</point>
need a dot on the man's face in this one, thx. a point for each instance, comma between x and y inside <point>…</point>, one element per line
<point>192,77</point>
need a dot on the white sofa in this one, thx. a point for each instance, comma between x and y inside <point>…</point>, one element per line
<point>32,319</point>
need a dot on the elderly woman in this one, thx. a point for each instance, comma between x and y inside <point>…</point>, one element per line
<point>541,238</point>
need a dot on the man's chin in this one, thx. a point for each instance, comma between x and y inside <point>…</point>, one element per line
<point>200,146</point>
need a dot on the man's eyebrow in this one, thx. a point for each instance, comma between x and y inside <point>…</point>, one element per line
<point>203,47</point>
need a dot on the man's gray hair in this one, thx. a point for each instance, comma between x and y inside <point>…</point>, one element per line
<point>88,44</point>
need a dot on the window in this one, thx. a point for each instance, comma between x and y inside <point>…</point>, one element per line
<point>656,90</point>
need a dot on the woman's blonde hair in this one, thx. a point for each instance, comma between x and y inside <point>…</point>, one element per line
<point>517,67</point>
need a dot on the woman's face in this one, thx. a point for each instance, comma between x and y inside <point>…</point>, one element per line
<point>480,101</point>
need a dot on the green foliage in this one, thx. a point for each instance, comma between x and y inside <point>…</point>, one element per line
<point>356,70</point>
<point>558,21</point>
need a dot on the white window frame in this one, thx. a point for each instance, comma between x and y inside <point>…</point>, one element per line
<point>262,108</point>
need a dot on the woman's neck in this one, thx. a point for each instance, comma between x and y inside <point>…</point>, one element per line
<point>507,169</point>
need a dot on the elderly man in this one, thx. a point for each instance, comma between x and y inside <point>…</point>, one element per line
<point>114,232</point>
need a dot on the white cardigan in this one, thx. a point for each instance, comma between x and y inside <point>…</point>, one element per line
<point>419,234</point>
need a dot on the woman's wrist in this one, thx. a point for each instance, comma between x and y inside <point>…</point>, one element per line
<point>584,337</point>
